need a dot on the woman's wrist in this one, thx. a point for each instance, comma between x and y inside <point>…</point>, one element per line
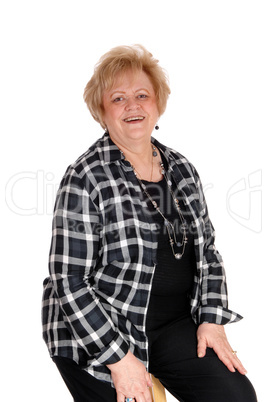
<point>128,358</point>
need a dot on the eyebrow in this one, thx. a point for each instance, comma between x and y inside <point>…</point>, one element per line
<point>117,91</point>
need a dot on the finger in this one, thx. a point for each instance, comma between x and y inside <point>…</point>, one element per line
<point>147,396</point>
<point>238,364</point>
<point>149,380</point>
<point>234,362</point>
<point>143,397</point>
<point>120,397</point>
<point>225,354</point>
<point>227,361</point>
<point>230,360</point>
<point>201,347</point>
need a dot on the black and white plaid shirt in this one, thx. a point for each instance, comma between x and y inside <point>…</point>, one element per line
<point>103,257</point>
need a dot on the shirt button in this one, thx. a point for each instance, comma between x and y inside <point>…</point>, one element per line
<point>127,163</point>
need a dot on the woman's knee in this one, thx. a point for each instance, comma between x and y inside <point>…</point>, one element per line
<point>240,389</point>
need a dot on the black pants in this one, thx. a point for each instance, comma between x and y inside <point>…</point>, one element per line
<point>173,359</point>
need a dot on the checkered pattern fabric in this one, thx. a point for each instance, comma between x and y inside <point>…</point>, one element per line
<point>103,257</point>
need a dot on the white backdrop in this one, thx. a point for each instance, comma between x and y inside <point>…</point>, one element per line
<point>215,54</point>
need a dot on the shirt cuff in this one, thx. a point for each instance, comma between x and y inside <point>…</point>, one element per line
<point>217,315</point>
<point>114,352</point>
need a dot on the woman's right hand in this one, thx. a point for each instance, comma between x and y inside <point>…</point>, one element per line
<point>131,379</point>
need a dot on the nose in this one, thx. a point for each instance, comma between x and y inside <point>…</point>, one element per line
<point>132,103</point>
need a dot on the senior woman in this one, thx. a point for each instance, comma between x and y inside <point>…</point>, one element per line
<point>136,284</point>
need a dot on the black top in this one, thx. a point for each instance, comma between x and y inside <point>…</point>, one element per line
<point>173,278</point>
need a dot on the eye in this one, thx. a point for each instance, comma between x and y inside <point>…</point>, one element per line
<point>142,96</point>
<point>118,99</point>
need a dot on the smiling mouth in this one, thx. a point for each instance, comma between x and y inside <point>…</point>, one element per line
<point>135,118</point>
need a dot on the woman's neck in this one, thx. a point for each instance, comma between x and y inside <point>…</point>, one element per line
<point>145,165</point>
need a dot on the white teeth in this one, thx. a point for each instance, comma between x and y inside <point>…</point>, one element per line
<point>134,118</point>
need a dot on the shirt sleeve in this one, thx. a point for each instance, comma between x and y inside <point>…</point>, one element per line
<point>213,307</point>
<point>73,257</point>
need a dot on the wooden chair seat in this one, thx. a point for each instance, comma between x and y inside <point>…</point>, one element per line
<point>157,391</point>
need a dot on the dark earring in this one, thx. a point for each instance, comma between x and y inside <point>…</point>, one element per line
<point>156,127</point>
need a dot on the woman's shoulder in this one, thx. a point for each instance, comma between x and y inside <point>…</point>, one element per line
<point>89,169</point>
<point>93,158</point>
<point>179,159</point>
<point>91,155</point>
<point>83,165</point>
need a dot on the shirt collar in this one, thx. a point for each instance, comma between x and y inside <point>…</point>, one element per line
<point>111,152</point>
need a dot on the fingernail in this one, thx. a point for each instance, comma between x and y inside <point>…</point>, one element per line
<point>200,355</point>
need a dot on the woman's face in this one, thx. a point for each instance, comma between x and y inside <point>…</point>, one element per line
<point>130,109</point>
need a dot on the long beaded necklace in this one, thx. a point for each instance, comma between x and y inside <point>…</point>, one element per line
<point>170,228</point>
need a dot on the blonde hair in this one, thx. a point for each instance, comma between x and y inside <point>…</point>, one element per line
<point>117,61</point>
